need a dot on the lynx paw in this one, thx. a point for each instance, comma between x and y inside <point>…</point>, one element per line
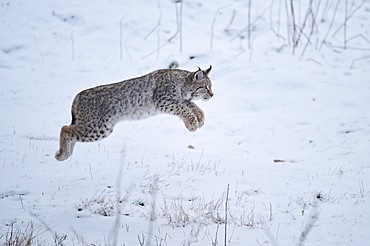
<point>191,123</point>
<point>199,115</point>
<point>191,128</point>
<point>61,156</point>
<point>200,120</point>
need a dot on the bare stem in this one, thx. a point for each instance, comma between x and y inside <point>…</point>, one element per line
<point>226,211</point>
<point>294,35</point>
<point>312,219</point>
<point>288,21</point>
<point>345,25</point>
<point>73,46</point>
<point>348,16</point>
<point>213,25</point>
<point>180,26</point>
<point>331,25</point>
<point>357,60</point>
<point>120,38</point>
<point>249,24</point>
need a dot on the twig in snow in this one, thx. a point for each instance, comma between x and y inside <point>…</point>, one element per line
<point>180,26</point>
<point>120,38</point>
<point>249,24</point>
<point>141,239</point>
<point>178,12</point>
<point>157,28</point>
<point>73,46</point>
<point>127,51</point>
<point>169,40</point>
<point>288,21</point>
<point>268,233</point>
<point>324,15</point>
<point>271,216</point>
<point>348,47</point>
<point>278,22</point>
<point>345,25</point>
<point>277,232</point>
<point>215,242</point>
<point>331,25</point>
<point>294,35</point>
<point>90,171</point>
<point>157,50</point>
<point>20,198</point>
<point>213,24</point>
<point>358,36</point>
<point>58,239</point>
<point>301,29</point>
<point>154,189</point>
<point>312,219</point>
<point>38,49</point>
<point>226,211</point>
<point>117,222</point>
<point>348,16</point>
<point>279,19</point>
<point>231,21</point>
<point>313,22</point>
<point>357,60</point>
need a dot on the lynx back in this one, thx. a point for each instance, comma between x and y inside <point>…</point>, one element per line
<point>96,111</point>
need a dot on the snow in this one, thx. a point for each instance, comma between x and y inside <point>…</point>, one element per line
<point>284,150</point>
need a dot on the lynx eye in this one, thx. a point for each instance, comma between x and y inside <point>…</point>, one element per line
<point>201,89</point>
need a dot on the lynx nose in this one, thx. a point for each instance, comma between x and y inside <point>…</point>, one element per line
<point>210,93</point>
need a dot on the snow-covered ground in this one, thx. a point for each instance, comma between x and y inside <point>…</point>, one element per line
<point>284,155</point>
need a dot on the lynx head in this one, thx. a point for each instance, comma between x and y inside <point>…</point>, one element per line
<point>200,84</point>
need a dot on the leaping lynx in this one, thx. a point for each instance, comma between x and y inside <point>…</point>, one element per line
<point>96,111</point>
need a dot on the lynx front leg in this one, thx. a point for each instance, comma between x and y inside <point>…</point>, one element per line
<point>190,120</point>
<point>198,113</point>
<point>183,110</point>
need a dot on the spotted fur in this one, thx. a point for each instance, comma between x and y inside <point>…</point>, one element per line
<point>97,110</point>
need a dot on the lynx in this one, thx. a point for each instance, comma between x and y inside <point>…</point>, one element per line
<point>96,111</point>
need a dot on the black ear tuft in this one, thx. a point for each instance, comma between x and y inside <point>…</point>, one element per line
<point>208,70</point>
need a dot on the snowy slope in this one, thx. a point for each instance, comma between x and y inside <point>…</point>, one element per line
<point>285,146</point>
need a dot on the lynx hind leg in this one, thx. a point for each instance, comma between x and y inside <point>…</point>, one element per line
<point>69,135</point>
<point>67,142</point>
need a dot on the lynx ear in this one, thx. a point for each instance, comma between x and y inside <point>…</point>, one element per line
<point>198,75</point>
<point>208,70</point>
